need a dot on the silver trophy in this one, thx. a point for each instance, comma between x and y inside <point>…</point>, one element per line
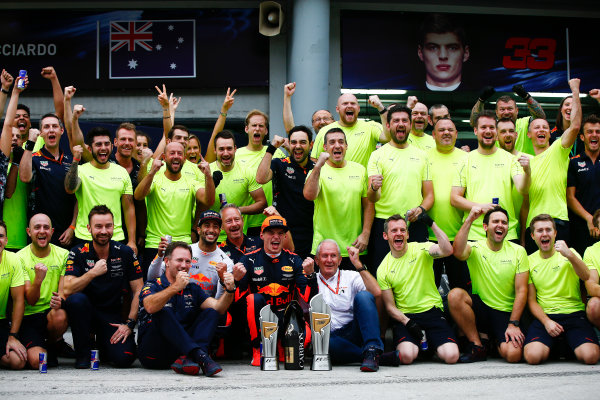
<point>320,324</point>
<point>268,333</point>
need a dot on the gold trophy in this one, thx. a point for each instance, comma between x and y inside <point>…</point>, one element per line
<point>268,333</point>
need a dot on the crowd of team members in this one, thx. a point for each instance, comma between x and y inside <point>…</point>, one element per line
<point>380,218</point>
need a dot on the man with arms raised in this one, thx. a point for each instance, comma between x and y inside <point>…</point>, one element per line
<point>171,199</point>
<point>547,194</point>
<point>499,272</point>
<point>288,175</point>
<point>238,185</point>
<point>506,107</point>
<point>362,136</point>
<point>487,174</point>
<point>101,182</point>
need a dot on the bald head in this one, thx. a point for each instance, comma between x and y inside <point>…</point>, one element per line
<point>40,231</point>
<point>348,108</point>
<point>419,116</point>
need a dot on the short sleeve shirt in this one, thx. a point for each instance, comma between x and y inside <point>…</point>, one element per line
<point>236,185</point>
<point>338,207</point>
<point>11,275</point>
<point>486,177</point>
<point>170,206</point>
<point>411,279</point>
<point>493,272</point>
<point>101,186</point>
<point>442,168</point>
<point>404,171</point>
<point>556,283</point>
<point>56,263</point>
<point>547,193</point>
<point>362,140</point>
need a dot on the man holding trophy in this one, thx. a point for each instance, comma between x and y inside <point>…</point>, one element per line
<point>273,275</point>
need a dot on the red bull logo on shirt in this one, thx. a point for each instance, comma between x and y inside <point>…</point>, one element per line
<point>200,278</point>
<point>273,289</point>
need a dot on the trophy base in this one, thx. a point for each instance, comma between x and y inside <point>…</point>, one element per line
<point>269,364</point>
<point>321,362</point>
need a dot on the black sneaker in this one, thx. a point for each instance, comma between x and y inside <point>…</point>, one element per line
<point>370,360</point>
<point>82,363</point>
<point>474,354</point>
<point>52,360</point>
<point>390,359</point>
<point>65,349</point>
<point>208,365</point>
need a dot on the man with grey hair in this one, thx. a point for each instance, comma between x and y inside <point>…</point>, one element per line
<point>355,334</point>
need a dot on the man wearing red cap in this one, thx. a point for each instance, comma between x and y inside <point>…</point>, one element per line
<point>273,274</point>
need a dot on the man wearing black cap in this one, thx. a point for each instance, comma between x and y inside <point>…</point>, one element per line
<point>208,261</point>
<point>273,274</point>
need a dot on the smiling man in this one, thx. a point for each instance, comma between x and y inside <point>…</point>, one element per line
<point>489,173</point>
<point>238,185</point>
<point>499,272</point>
<point>97,274</point>
<point>171,199</point>
<point>549,166</point>
<point>398,180</point>
<point>419,122</point>
<point>288,176</point>
<point>179,320</point>
<point>250,156</point>
<point>101,182</point>
<point>554,297</point>
<point>46,170</point>
<point>44,264</point>
<point>339,189</point>
<point>362,135</point>
<point>273,276</point>
<point>409,292</point>
<point>583,185</point>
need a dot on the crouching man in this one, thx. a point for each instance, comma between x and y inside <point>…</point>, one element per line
<point>177,319</point>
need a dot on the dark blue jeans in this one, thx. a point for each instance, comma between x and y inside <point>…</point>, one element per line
<point>347,344</point>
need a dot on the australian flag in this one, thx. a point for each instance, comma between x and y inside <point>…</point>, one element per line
<point>152,49</point>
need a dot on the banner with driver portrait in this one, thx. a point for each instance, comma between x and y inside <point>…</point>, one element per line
<point>465,52</point>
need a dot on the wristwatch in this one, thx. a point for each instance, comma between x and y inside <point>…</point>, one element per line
<point>130,323</point>
<point>515,322</point>
<point>363,268</point>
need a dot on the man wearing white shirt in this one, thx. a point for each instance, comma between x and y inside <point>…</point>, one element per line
<point>208,261</point>
<point>355,334</point>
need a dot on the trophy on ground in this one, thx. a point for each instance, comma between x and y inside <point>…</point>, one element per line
<point>268,333</point>
<point>320,318</point>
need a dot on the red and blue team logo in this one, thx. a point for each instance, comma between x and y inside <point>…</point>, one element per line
<point>273,289</point>
<point>85,248</point>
